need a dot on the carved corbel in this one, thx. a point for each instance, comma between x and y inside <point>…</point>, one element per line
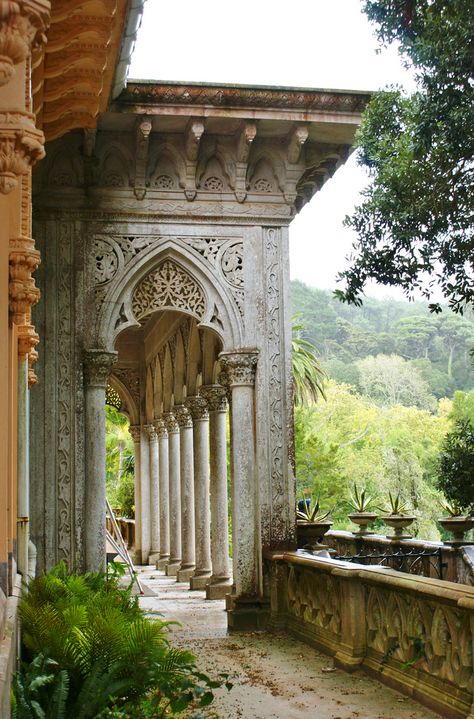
<point>23,28</point>
<point>143,131</point>
<point>192,138</point>
<point>21,145</point>
<point>23,293</point>
<point>245,138</point>
<point>296,139</point>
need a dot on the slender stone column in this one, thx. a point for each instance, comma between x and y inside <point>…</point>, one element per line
<point>164,494</point>
<point>135,432</point>
<point>154,494</point>
<point>220,582</point>
<point>244,609</point>
<point>97,366</point>
<point>188,554</point>
<point>175,495</point>
<point>198,409</point>
<point>145,494</point>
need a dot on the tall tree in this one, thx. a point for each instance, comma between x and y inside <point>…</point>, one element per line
<point>415,225</point>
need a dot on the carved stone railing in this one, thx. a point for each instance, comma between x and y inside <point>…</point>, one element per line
<point>413,556</point>
<point>413,633</point>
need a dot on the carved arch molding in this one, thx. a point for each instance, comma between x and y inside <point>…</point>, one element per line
<point>167,285</point>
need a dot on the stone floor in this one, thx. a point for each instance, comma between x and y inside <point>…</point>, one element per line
<point>276,677</point>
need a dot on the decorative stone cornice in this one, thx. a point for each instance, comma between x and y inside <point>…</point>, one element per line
<point>21,145</point>
<point>183,416</point>
<point>150,429</point>
<point>135,432</point>
<point>215,396</point>
<point>161,428</point>
<point>171,422</point>
<point>23,25</point>
<point>23,293</point>
<point>98,366</point>
<point>198,408</point>
<point>240,366</point>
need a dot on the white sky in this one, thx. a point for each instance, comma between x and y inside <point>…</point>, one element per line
<point>307,43</point>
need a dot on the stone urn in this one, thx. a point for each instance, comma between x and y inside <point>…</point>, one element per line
<point>399,522</point>
<point>457,526</point>
<point>309,534</point>
<point>362,519</point>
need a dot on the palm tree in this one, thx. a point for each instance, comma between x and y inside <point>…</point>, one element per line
<point>308,376</point>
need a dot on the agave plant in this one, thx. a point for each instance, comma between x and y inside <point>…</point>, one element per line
<point>398,507</point>
<point>359,500</point>
<point>453,508</point>
<point>305,513</point>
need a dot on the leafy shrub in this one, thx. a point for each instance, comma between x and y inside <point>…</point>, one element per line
<point>456,465</point>
<point>90,650</point>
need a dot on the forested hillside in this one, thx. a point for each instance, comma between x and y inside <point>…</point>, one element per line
<point>420,356</point>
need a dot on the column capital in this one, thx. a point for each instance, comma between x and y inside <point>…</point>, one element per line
<point>215,396</point>
<point>97,366</point>
<point>23,29</point>
<point>240,366</point>
<point>171,422</point>
<point>198,408</point>
<point>160,426</point>
<point>135,431</point>
<point>183,416</point>
<point>150,429</point>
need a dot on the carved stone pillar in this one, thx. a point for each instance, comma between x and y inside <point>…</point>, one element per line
<point>188,554</point>
<point>175,495</point>
<point>135,432</point>
<point>164,494</point>
<point>97,366</point>
<point>245,605</point>
<point>145,501</point>
<point>154,494</point>
<point>220,581</point>
<point>22,29</point>
<point>198,409</point>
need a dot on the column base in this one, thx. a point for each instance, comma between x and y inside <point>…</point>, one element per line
<point>153,557</point>
<point>185,573</point>
<point>172,568</point>
<point>199,581</point>
<point>247,614</point>
<point>218,589</point>
<point>163,562</point>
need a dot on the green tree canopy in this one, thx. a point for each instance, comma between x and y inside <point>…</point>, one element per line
<point>415,225</point>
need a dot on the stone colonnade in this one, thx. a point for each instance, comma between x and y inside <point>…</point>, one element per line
<point>185,485</point>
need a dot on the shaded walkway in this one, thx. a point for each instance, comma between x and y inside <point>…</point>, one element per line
<point>278,677</point>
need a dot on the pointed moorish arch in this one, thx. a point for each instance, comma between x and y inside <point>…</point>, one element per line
<point>133,292</point>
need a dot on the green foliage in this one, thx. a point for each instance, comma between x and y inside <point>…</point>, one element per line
<point>414,227</point>
<point>436,348</point>
<point>350,440</point>
<point>91,648</point>
<point>456,466</point>
<point>119,463</point>
<point>391,380</point>
<point>308,377</point>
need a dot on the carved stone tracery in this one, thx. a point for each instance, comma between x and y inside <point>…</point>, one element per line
<point>21,146</point>
<point>169,285</point>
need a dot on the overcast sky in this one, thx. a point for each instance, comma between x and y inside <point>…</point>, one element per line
<point>306,43</point>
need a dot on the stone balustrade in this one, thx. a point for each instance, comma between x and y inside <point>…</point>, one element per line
<point>413,633</point>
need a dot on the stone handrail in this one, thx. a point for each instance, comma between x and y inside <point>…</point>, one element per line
<point>413,633</point>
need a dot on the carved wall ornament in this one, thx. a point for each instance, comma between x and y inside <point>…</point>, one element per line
<point>183,416</point>
<point>27,341</point>
<point>232,264</point>
<point>130,378</point>
<point>197,407</point>
<point>240,366</point>
<point>23,25</point>
<point>23,293</point>
<point>169,285</point>
<point>213,184</point>
<point>97,366</point>
<point>112,398</point>
<point>215,396</point>
<point>164,182</point>
<point>21,145</point>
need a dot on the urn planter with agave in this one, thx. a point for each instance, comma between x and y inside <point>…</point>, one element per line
<point>362,519</point>
<point>397,517</point>
<point>311,524</point>
<point>360,503</point>
<point>457,526</point>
